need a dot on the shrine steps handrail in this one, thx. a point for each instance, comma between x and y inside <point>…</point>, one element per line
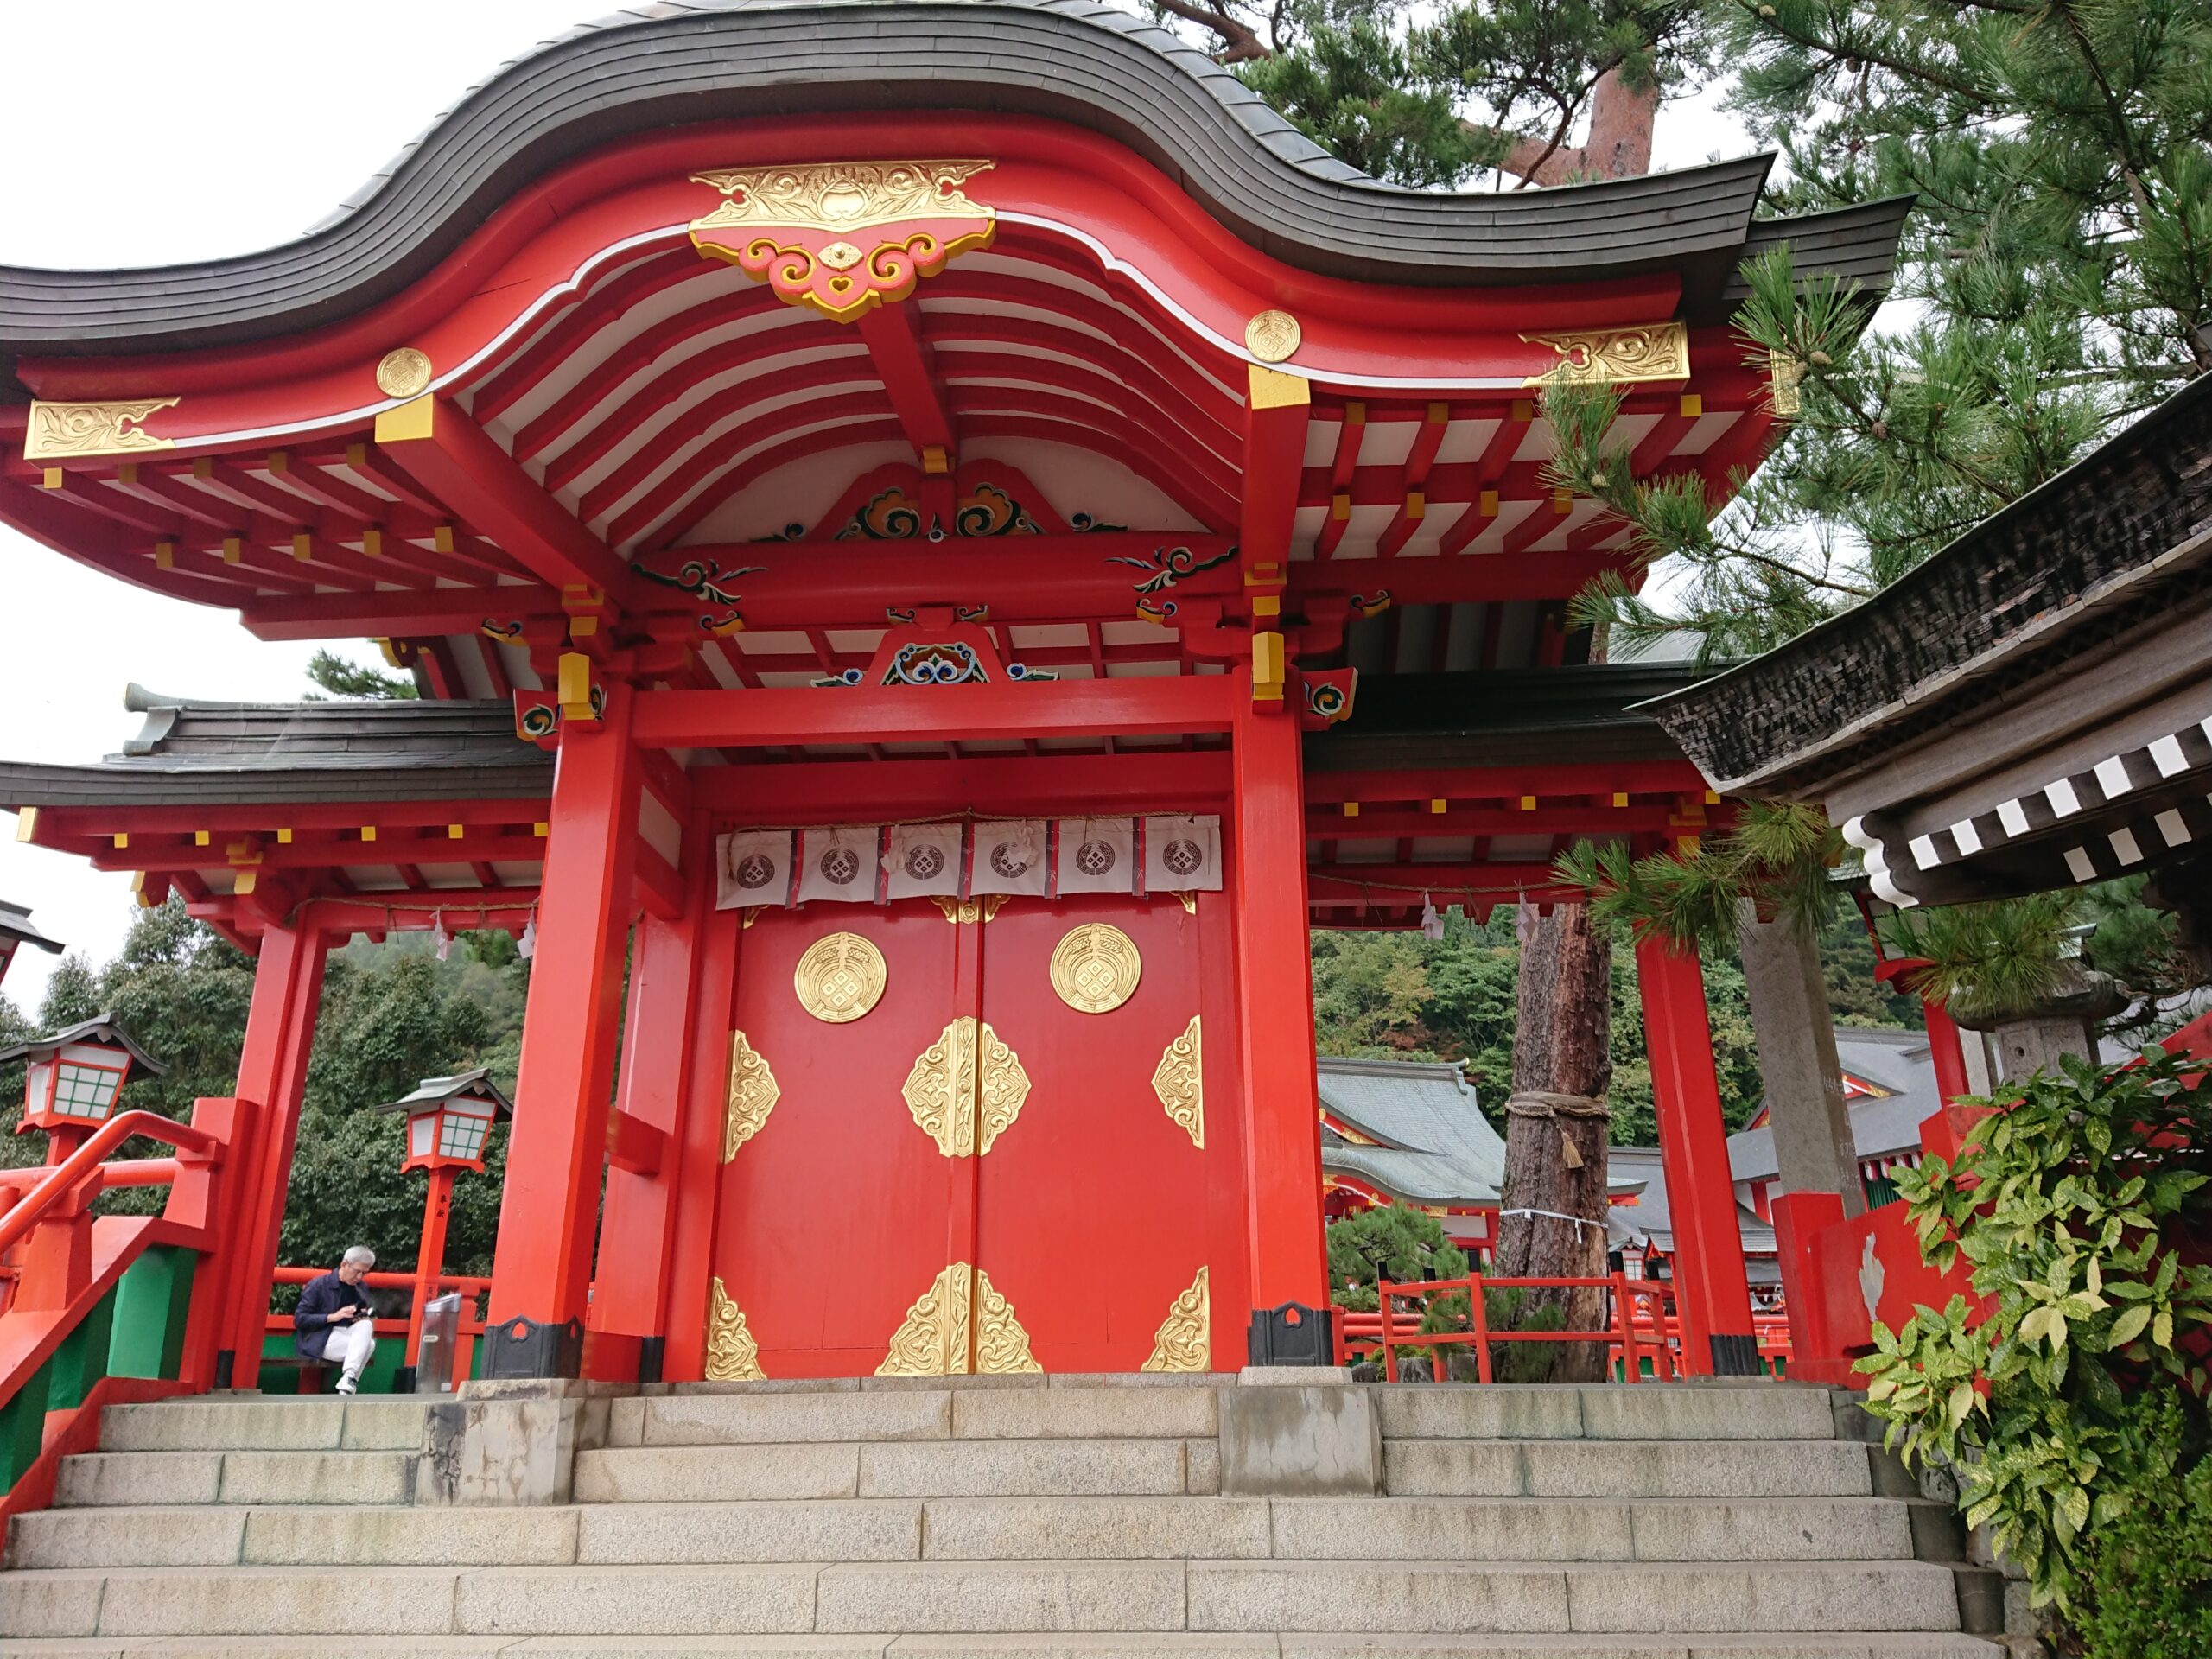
<point>76,1170</point>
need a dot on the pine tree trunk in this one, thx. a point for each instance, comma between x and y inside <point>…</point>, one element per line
<point>1553,1219</point>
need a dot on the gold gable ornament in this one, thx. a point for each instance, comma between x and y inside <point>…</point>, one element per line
<point>73,431</point>
<point>1621,357</point>
<point>844,236</point>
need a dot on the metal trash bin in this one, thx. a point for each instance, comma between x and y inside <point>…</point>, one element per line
<point>441,1341</point>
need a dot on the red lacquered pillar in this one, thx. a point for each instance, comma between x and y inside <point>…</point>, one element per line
<point>1946,1052</point>
<point>1280,1103</point>
<point>272,1076</point>
<point>630,1298</point>
<point>556,1146</point>
<point>1711,1289</point>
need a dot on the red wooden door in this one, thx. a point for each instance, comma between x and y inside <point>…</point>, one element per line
<point>836,1209</point>
<point>1113,1236</point>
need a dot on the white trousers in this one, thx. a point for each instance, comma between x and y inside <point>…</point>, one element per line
<point>349,1346</point>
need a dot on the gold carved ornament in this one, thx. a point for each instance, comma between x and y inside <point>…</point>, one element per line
<point>65,431</point>
<point>1094,967</point>
<point>839,978</point>
<point>958,911</point>
<point>1273,336</point>
<point>753,1096</point>
<point>1659,351</point>
<point>1183,1343</point>
<point>403,371</point>
<point>966,1089</point>
<point>732,1355</point>
<point>1179,1081</point>
<point>1783,372</point>
<point>844,236</point>
<point>960,1326</point>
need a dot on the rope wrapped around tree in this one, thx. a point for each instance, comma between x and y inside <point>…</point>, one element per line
<point>1552,1222</point>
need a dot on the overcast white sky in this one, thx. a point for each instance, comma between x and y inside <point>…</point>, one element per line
<point>184,132</point>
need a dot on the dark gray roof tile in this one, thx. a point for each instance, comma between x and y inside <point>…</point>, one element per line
<point>1119,75</point>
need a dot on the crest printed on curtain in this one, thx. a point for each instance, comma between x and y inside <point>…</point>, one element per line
<point>1010,857</point>
<point>1182,854</point>
<point>922,861</point>
<point>754,866</point>
<point>1096,856</point>
<point>838,864</point>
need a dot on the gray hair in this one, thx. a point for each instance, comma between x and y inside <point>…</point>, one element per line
<point>360,1253</point>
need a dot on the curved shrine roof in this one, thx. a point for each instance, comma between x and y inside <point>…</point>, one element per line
<point>659,66</point>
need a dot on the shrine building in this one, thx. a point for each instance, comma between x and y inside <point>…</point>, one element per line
<point>946,538</point>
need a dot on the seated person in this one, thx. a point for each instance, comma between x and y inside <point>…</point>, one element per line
<point>333,1319</point>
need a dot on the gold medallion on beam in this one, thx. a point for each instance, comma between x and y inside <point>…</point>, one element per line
<point>1094,967</point>
<point>403,372</point>
<point>1273,336</point>
<point>840,978</point>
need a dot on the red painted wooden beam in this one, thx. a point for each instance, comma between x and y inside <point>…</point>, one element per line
<point>1506,782</point>
<point>1391,884</point>
<point>1326,823</point>
<point>1275,414</point>
<point>1414,507</point>
<point>1140,781</point>
<point>894,342</point>
<point>807,715</point>
<point>434,441</point>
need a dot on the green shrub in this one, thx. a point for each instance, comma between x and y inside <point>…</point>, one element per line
<point>2076,1408</point>
<point>2146,1576</point>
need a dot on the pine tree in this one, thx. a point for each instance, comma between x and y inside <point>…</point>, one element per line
<point>2057,270</point>
<point>1438,95</point>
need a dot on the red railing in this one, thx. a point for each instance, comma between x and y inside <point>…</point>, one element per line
<point>472,1291</point>
<point>1640,1325</point>
<point>59,1363</point>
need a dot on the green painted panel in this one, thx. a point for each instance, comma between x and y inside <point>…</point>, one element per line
<point>23,1426</point>
<point>150,1305</point>
<point>81,1360</point>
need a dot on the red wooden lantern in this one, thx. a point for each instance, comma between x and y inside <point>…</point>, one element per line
<point>15,929</point>
<point>75,1077</point>
<point>449,1120</point>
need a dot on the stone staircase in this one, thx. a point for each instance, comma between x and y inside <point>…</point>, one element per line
<point>1019,1518</point>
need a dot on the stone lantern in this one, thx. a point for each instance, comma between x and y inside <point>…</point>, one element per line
<point>15,929</point>
<point>449,1120</point>
<point>74,1078</point>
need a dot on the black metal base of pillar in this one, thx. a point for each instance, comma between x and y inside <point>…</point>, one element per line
<point>524,1347</point>
<point>1737,1356</point>
<point>226,1364</point>
<point>1292,1334</point>
<point>402,1380</point>
<point>651,1357</point>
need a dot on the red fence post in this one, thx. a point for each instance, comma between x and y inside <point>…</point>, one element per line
<point>1714,1294</point>
<point>1383,1288</point>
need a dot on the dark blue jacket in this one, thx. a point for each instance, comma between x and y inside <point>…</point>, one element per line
<point>319,1300</point>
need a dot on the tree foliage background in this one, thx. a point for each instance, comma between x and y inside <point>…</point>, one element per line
<point>1396,995</point>
<point>393,1014</point>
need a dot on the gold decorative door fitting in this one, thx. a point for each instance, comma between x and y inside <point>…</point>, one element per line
<point>753,1096</point>
<point>960,1326</point>
<point>966,1089</point>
